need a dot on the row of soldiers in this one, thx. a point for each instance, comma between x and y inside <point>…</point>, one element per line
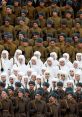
<point>20,102</point>
<point>64,45</point>
<point>40,19</point>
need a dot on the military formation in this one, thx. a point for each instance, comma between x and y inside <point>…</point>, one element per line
<point>40,58</point>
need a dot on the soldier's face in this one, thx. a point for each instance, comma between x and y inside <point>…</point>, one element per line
<point>3,94</point>
<point>68,15</point>
<point>8,10</point>
<point>16,3</point>
<point>55,14</point>
<point>69,96</point>
<point>78,88</point>
<point>69,85</point>
<point>52,43</point>
<point>11,80</point>
<point>21,22</point>
<point>38,97</point>
<point>78,25</point>
<point>61,38</point>
<point>7,23</point>
<point>20,94</point>
<point>31,86</point>
<point>29,3</point>
<point>35,25</point>
<point>10,91</point>
<point>41,4</point>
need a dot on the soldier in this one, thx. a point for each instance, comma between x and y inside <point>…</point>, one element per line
<point>41,8</point>
<point>17,8</point>
<point>77,28</point>
<point>41,20</point>
<point>53,48</point>
<point>7,107</point>
<point>69,19</point>
<point>39,47</point>
<point>64,28</point>
<point>30,9</point>
<point>61,42</point>
<point>49,29</point>
<point>31,89</point>
<point>22,26</point>
<point>37,107</point>
<point>56,19</point>
<point>53,7</point>
<point>53,106</point>
<point>46,92</point>
<point>26,49</point>
<point>60,90</point>
<point>79,18</point>
<point>9,45</point>
<point>7,11</point>
<point>17,86</point>
<point>72,104</point>
<point>7,27</point>
<point>22,102</point>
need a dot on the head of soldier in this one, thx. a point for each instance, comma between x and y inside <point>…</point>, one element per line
<point>46,86</point>
<point>52,42</point>
<point>20,92</point>
<point>29,3</point>
<point>24,42</point>
<point>79,87</point>
<point>78,24</point>
<point>4,93</point>
<point>35,24</point>
<point>39,42</point>
<point>31,85</point>
<point>53,97</point>
<point>41,16</point>
<point>9,9</point>
<point>11,90</point>
<point>42,3</point>
<point>61,37</point>
<point>16,3</point>
<point>38,95</point>
<point>68,14</point>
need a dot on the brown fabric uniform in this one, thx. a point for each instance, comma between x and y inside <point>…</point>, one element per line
<point>37,108</point>
<point>56,21</point>
<point>31,11</point>
<point>52,110</point>
<point>22,107</point>
<point>7,108</point>
<point>79,30</point>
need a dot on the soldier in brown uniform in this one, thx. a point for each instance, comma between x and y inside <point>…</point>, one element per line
<point>35,28</point>
<point>7,27</point>
<point>41,8</point>
<point>30,9</point>
<point>53,105</point>
<point>22,26</point>
<point>26,49</point>
<point>53,7</point>
<point>72,104</point>
<point>77,28</point>
<point>22,104</point>
<point>17,8</point>
<point>37,107</point>
<point>7,11</point>
<point>49,28</point>
<point>56,19</point>
<point>7,107</point>
<point>53,48</point>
